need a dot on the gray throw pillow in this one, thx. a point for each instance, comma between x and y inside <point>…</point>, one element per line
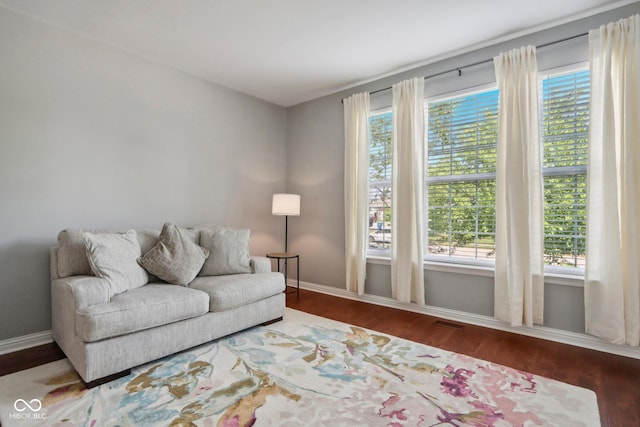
<point>114,257</point>
<point>228,249</point>
<point>175,258</point>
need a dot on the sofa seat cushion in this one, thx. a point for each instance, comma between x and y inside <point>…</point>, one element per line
<point>234,290</point>
<point>141,308</point>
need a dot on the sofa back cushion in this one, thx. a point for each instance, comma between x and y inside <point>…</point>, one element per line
<point>72,255</point>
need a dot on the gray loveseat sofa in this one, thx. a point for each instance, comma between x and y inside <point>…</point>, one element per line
<point>104,331</point>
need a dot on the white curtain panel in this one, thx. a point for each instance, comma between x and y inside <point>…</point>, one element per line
<point>612,276</point>
<point>356,189</point>
<point>407,274</point>
<point>519,276</point>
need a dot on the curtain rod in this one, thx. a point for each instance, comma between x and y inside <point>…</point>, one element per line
<point>474,64</point>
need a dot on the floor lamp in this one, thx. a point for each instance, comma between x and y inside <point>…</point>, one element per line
<point>287,205</point>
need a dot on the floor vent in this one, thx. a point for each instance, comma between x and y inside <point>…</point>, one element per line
<point>448,325</point>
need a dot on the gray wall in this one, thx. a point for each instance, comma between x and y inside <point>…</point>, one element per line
<point>316,171</point>
<point>91,136</point>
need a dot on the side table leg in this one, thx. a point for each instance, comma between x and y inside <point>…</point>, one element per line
<point>285,275</point>
<point>298,275</point>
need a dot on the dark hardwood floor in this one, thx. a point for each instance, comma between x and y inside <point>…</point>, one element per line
<point>29,358</point>
<point>615,379</point>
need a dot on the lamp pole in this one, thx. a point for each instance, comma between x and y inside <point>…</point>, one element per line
<point>286,232</point>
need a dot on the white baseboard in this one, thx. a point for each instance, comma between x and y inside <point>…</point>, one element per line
<point>25,341</point>
<point>542,332</point>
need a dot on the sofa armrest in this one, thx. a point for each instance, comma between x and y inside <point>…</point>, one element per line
<point>68,295</point>
<point>84,290</point>
<point>260,264</point>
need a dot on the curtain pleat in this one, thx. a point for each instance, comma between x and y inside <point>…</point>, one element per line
<point>612,272</point>
<point>407,274</point>
<point>519,275</point>
<point>356,188</point>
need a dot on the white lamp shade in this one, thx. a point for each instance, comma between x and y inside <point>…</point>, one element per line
<point>286,204</point>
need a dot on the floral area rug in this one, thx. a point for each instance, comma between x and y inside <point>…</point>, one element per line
<point>303,371</point>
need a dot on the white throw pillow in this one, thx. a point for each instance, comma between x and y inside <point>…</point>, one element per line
<point>114,257</point>
<point>228,251</point>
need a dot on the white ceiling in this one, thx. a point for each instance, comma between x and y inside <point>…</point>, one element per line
<point>290,51</point>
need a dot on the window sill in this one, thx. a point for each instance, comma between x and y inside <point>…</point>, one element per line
<point>552,278</point>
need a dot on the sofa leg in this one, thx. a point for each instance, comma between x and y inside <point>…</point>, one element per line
<point>108,378</point>
<point>268,322</point>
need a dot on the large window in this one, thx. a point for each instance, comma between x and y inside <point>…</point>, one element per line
<point>460,173</point>
<point>461,178</point>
